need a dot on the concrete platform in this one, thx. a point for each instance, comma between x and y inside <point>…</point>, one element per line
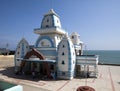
<point>108,80</point>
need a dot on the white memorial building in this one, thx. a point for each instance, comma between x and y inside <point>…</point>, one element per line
<point>54,52</point>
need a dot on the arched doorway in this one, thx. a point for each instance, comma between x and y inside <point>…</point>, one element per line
<point>34,52</point>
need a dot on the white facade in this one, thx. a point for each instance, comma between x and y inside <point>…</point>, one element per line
<point>50,34</point>
<point>66,59</point>
<point>78,44</point>
<point>75,37</point>
<point>51,26</point>
<point>21,50</point>
<point>54,47</point>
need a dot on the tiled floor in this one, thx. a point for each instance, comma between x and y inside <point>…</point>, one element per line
<point>108,80</point>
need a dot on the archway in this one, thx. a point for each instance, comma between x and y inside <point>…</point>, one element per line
<point>36,53</point>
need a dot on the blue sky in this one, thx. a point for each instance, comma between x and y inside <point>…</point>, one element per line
<point>97,21</point>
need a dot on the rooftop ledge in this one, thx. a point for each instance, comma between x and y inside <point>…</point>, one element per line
<point>88,57</point>
<point>35,60</point>
<point>49,30</point>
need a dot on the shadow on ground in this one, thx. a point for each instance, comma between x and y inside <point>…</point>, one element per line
<point>9,72</point>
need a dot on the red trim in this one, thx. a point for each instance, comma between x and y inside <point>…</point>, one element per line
<point>62,86</point>
<point>40,56</point>
<point>112,84</point>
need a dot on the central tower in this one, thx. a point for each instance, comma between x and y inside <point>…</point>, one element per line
<point>50,33</point>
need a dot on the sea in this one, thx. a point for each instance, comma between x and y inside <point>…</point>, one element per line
<point>105,56</point>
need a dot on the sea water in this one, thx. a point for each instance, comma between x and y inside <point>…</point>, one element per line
<point>105,56</point>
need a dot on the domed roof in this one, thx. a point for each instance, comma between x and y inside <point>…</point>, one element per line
<point>75,37</point>
<point>75,34</point>
<point>51,19</point>
<point>50,24</point>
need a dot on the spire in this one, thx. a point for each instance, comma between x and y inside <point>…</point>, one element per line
<point>51,12</point>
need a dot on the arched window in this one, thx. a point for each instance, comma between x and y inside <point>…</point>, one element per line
<point>47,26</point>
<point>18,53</point>
<point>72,37</point>
<point>63,46</point>
<point>47,20</point>
<point>63,53</point>
<point>63,62</point>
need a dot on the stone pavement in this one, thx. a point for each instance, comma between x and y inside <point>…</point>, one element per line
<point>108,80</point>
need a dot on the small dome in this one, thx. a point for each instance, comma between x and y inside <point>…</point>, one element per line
<point>51,19</point>
<point>75,34</point>
<point>75,37</point>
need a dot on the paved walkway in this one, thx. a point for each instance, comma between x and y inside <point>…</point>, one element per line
<point>108,80</point>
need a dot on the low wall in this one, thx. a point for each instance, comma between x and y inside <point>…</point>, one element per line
<point>7,57</point>
<point>6,61</point>
<point>108,64</point>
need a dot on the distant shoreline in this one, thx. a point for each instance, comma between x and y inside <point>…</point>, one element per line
<point>108,64</point>
<point>11,57</point>
<point>107,57</point>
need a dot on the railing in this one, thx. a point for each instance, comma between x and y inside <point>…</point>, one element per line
<point>87,59</point>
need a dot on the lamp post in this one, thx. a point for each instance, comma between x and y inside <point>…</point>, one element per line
<point>7,50</point>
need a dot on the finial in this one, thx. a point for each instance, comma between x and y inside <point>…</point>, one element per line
<point>51,10</point>
<point>66,35</point>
